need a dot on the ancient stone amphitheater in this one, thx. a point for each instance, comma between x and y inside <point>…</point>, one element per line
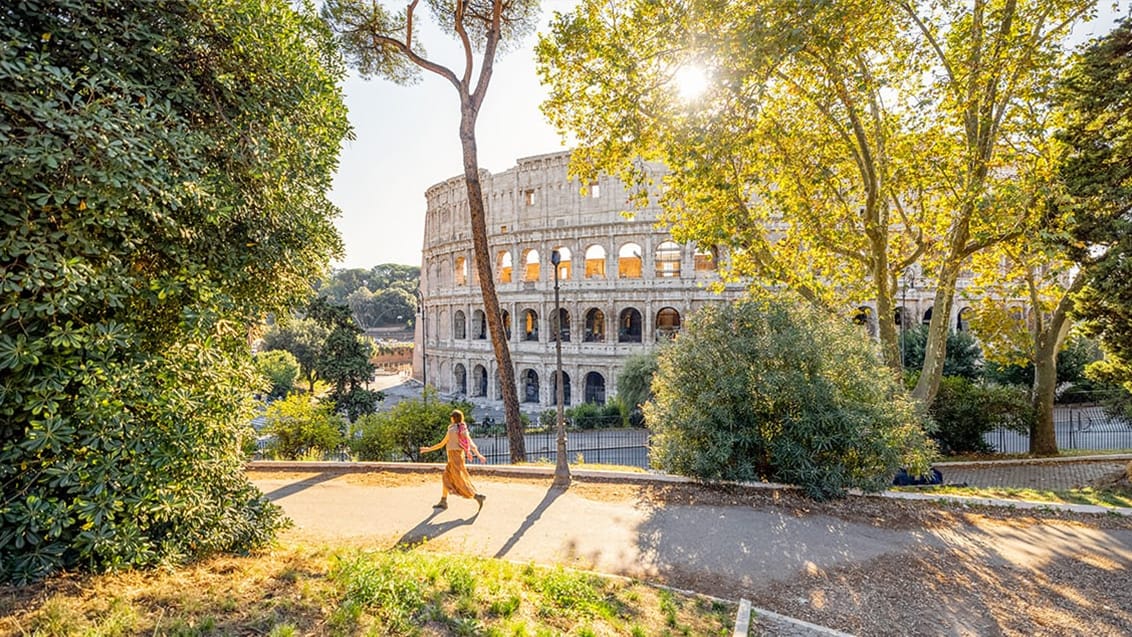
<point>624,285</point>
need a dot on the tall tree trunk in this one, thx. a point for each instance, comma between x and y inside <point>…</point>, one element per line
<point>1048,339</point>
<point>487,285</point>
<point>935,350</point>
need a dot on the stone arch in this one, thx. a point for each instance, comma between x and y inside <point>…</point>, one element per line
<point>529,384</point>
<point>531,265</point>
<point>667,323</point>
<point>554,388</point>
<point>629,261</point>
<point>479,381</point>
<point>864,316</point>
<point>529,325</point>
<point>460,379</point>
<point>595,388</point>
<point>927,316</point>
<point>595,262</point>
<point>564,262</point>
<point>963,319</point>
<point>479,325</point>
<point>459,325</point>
<point>629,326</point>
<point>503,265</point>
<point>562,325</point>
<point>668,256</point>
<point>505,317</point>
<point>594,330</point>
<point>706,259</point>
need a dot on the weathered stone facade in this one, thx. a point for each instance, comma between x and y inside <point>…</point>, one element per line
<point>623,284</point>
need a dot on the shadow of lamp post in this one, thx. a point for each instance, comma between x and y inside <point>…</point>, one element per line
<point>561,467</point>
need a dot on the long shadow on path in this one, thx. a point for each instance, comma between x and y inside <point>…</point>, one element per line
<point>301,485</point>
<point>552,494</point>
<point>427,529</point>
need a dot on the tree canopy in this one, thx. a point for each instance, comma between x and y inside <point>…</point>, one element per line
<point>835,144</point>
<point>1095,102</point>
<point>164,168</point>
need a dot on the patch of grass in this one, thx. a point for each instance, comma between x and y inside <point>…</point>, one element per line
<point>1097,497</point>
<point>297,589</point>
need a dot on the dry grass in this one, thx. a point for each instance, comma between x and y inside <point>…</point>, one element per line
<point>344,590</point>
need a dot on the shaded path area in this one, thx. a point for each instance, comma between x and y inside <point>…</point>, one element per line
<point>864,577</point>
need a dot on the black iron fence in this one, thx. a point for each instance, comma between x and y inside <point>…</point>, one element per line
<point>1076,427</point>
<point>626,447</point>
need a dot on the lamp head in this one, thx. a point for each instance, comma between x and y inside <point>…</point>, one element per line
<point>555,257</point>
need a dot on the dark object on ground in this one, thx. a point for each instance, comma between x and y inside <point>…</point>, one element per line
<point>902,478</point>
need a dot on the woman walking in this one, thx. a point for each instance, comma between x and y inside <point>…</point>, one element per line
<point>460,446</point>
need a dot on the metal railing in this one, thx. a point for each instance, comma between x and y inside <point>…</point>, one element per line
<point>1076,427</point>
<point>626,447</point>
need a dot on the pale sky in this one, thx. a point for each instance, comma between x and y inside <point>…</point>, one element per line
<point>406,140</point>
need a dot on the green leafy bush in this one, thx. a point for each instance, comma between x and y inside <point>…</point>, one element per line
<point>302,426</point>
<point>964,357</point>
<point>399,433</point>
<point>165,168</point>
<point>764,390</point>
<point>280,369</point>
<point>964,410</point>
<point>634,385</point>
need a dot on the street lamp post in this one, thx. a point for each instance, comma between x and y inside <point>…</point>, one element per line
<point>561,466</point>
<point>424,340</point>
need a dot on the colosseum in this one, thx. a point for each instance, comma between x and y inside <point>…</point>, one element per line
<point>624,285</point>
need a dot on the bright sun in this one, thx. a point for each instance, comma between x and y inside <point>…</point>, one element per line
<point>690,82</point>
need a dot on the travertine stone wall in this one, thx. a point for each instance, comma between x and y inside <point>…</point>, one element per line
<point>535,207</point>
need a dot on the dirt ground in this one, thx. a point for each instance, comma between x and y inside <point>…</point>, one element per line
<point>931,592</point>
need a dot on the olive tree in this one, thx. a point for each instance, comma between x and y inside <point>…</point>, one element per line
<point>163,168</point>
<point>778,391</point>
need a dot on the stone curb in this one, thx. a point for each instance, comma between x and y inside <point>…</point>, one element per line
<point>966,500</point>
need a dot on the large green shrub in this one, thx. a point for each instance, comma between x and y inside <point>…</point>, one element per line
<point>164,168</point>
<point>280,369</point>
<point>774,391</point>
<point>303,427</point>
<point>964,411</point>
<point>634,385</point>
<point>399,433</point>
<point>963,358</point>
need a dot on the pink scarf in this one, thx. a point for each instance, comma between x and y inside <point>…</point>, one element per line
<point>465,441</point>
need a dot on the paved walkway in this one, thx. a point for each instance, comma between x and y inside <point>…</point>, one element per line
<point>727,548</point>
<point>1059,474</point>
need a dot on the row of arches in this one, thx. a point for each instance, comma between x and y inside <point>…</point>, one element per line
<point>630,326</point>
<point>667,263</point>
<point>530,388</point>
<point>865,316</point>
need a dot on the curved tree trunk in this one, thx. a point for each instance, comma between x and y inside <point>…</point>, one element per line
<point>487,287</point>
<point>935,350</point>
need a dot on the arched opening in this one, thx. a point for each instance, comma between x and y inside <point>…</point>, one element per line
<point>460,375</point>
<point>562,326</point>
<point>554,388</point>
<point>479,381</point>
<point>629,326</point>
<point>595,262</point>
<point>530,325</point>
<point>503,265</point>
<point>505,317</point>
<point>563,263</point>
<point>629,261</point>
<point>459,325</point>
<point>479,325</point>
<point>595,388</point>
<point>963,320</point>
<point>900,317</point>
<point>461,271</point>
<point>531,265</point>
<point>668,260</point>
<point>705,259</point>
<point>864,317</point>
<point>594,330</point>
<point>530,386</point>
<point>927,316</point>
<point>667,323</point>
